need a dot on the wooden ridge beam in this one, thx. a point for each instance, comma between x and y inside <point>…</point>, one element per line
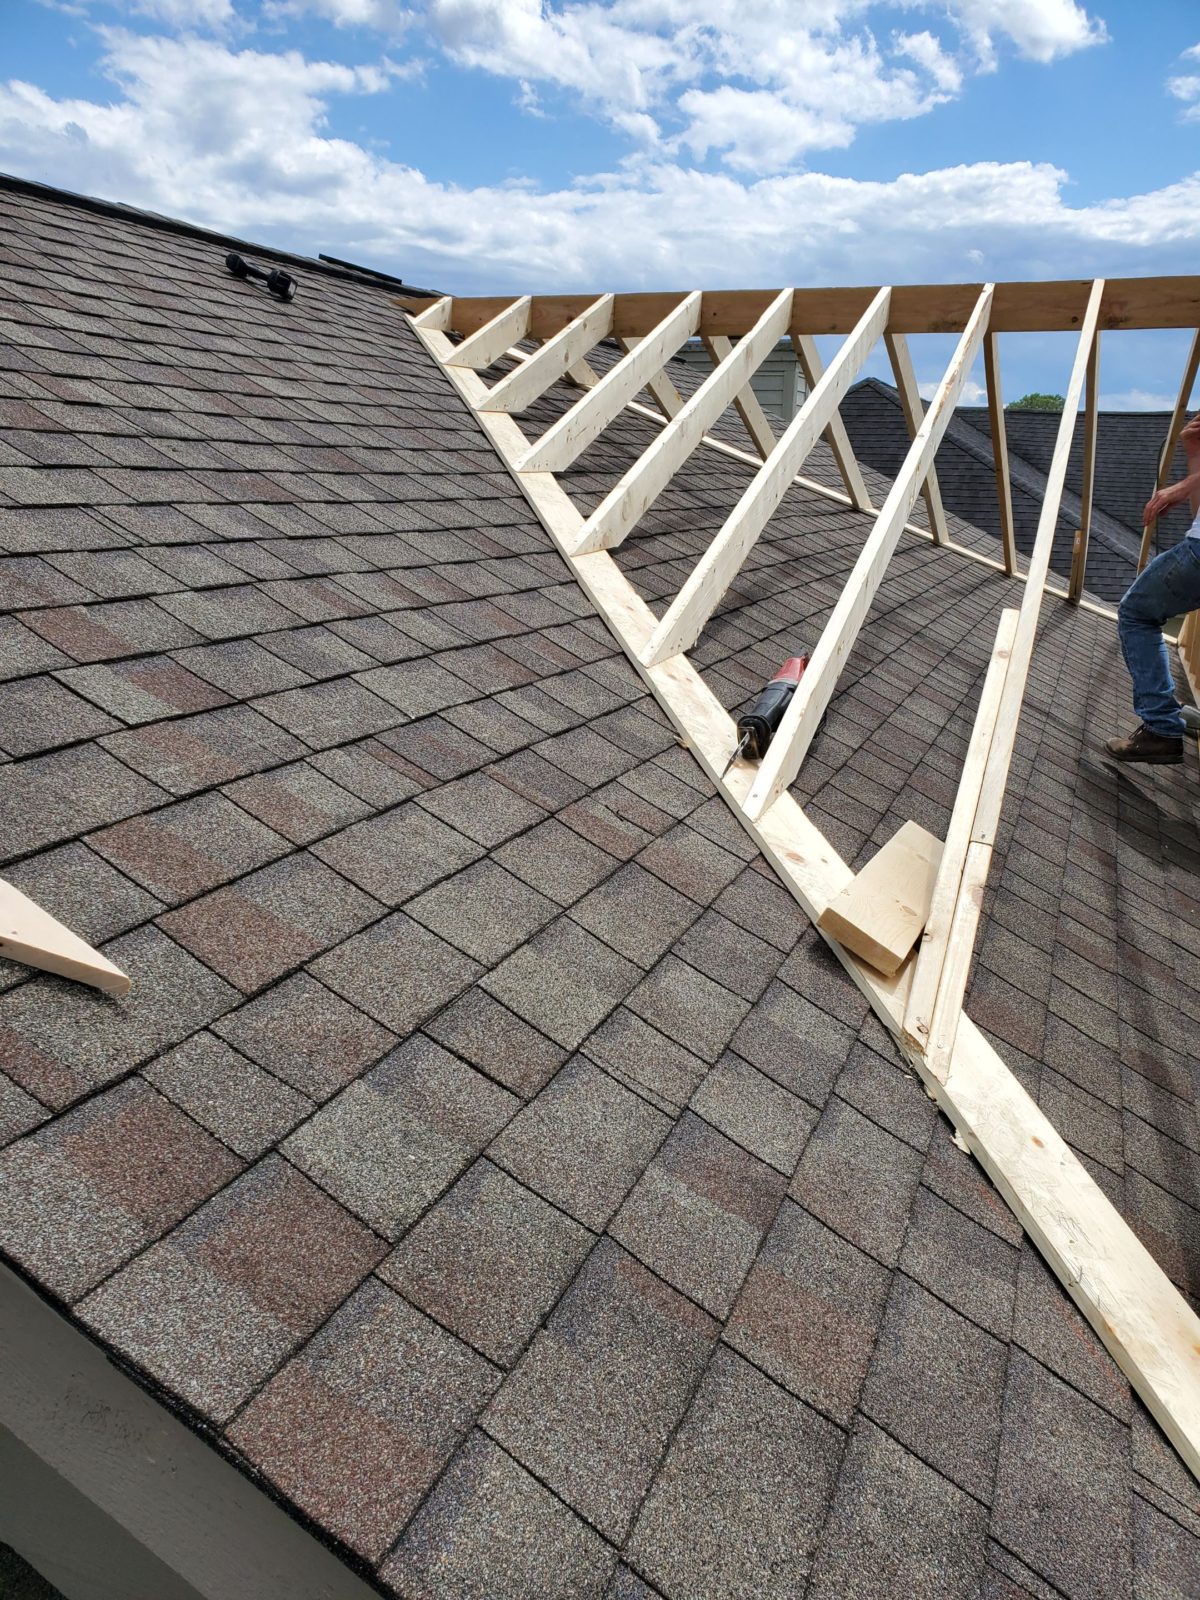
<point>914,414</point>
<point>995,400</point>
<point>947,1012</point>
<point>518,389</point>
<point>567,438</point>
<point>1170,443</point>
<point>684,619</point>
<point>637,490</point>
<point>1090,425</point>
<point>746,403</point>
<point>509,326</point>
<point>803,715</point>
<point>1135,1310</point>
<point>1032,307</point>
<point>931,954</point>
<point>836,437</point>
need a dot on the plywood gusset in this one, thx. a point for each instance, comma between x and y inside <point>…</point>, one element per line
<point>30,935</point>
<point>1145,1323</point>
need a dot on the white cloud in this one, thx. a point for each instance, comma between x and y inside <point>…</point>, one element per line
<point>241,141</point>
<point>973,394</point>
<point>1187,89</point>
<point>1041,30</point>
<point>1137,400</point>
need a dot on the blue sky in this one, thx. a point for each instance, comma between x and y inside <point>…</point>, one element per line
<point>487,145</point>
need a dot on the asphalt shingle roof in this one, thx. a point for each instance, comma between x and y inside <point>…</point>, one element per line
<point>488,1153</point>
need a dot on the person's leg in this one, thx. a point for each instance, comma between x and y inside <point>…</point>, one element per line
<point>1169,586</point>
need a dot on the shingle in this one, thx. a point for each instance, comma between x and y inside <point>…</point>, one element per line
<point>635,914</point>
<point>957,1178</point>
<point>22,651</point>
<point>50,798</point>
<point>961,1262</point>
<point>858,1179</point>
<point>397,972</point>
<point>755,1111</point>
<point>691,863</point>
<point>489,1036</point>
<point>729,955</point>
<point>629,1049</point>
<point>110,630</point>
<point>276,918</point>
<point>240,667</point>
<point>1166,1556</point>
<point>38,713</point>
<point>324,714</point>
<point>688,1007</point>
<point>1048,1326</point>
<point>81,1196</point>
<point>209,748</point>
<point>794,1042</point>
<point>379,1383</point>
<point>555,860</point>
<point>297,801</point>
<point>417,687</point>
<point>59,1039</point>
<point>19,1112</point>
<point>563,981</point>
<point>212,1309</point>
<point>809,1311</point>
<point>489,1261</point>
<point>483,910</point>
<point>698,1213</point>
<point>82,891</point>
<point>582,1142</point>
<point>393,1140</point>
<point>438,748</point>
<point>246,1107</point>
<point>1062,1486</point>
<point>738,1504</point>
<point>483,808</point>
<point>617,1332</point>
<point>306,1035</point>
<point>397,854</point>
<point>761,905</point>
<point>936,1384</point>
<point>897,1528</point>
<point>184,849</point>
<point>143,689</point>
<point>490,1531</point>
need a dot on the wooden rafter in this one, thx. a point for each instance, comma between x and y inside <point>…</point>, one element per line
<point>995,400</point>
<point>836,436</point>
<point>803,716</point>
<point>914,415</point>
<point>1091,420</point>
<point>1170,443</point>
<point>518,389</point>
<point>745,401</point>
<point>1142,1319</point>
<point>662,391</point>
<point>493,339</point>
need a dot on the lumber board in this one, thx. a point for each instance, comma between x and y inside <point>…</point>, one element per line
<point>947,1011</point>
<point>518,389</point>
<point>1090,425</point>
<point>803,715</point>
<point>638,489</point>
<point>30,935</point>
<point>1170,443</point>
<point>567,438</point>
<point>914,414</point>
<point>662,391</point>
<point>1135,1310</point>
<point>881,915</point>
<point>684,619</point>
<point>836,436</point>
<point>509,326</point>
<point>999,432</point>
<point>746,403</point>
<point>1022,307</point>
<point>931,955</point>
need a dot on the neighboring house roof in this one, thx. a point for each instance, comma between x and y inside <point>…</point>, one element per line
<point>489,1155</point>
<point>967,478</point>
<point>1128,447</point>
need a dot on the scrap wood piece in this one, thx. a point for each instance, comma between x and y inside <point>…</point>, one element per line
<point>881,915</point>
<point>36,939</point>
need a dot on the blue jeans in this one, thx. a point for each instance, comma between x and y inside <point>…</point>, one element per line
<point>1169,586</point>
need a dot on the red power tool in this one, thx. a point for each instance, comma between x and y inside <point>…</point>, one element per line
<point>757,727</point>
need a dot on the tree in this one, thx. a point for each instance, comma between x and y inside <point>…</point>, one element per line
<point>1039,402</point>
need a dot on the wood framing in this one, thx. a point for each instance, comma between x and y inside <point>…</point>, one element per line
<point>494,338</point>
<point>803,716</point>
<point>1142,1319</point>
<point>716,569</point>
<point>662,391</point>
<point>838,440</point>
<point>518,389</point>
<point>32,936</point>
<point>745,401</point>
<point>570,436</point>
<point>1091,419</point>
<point>995,399</point>
<point>914,414</point>
<point>1170,443</point>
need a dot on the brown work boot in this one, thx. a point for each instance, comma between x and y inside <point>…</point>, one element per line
<point>1161,749</point>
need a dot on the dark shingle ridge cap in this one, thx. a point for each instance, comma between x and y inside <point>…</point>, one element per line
<point>10,183</point>
<point>963,433</point>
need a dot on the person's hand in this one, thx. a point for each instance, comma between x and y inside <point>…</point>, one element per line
<point>1173,495</point>
<point>1189,438</point>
